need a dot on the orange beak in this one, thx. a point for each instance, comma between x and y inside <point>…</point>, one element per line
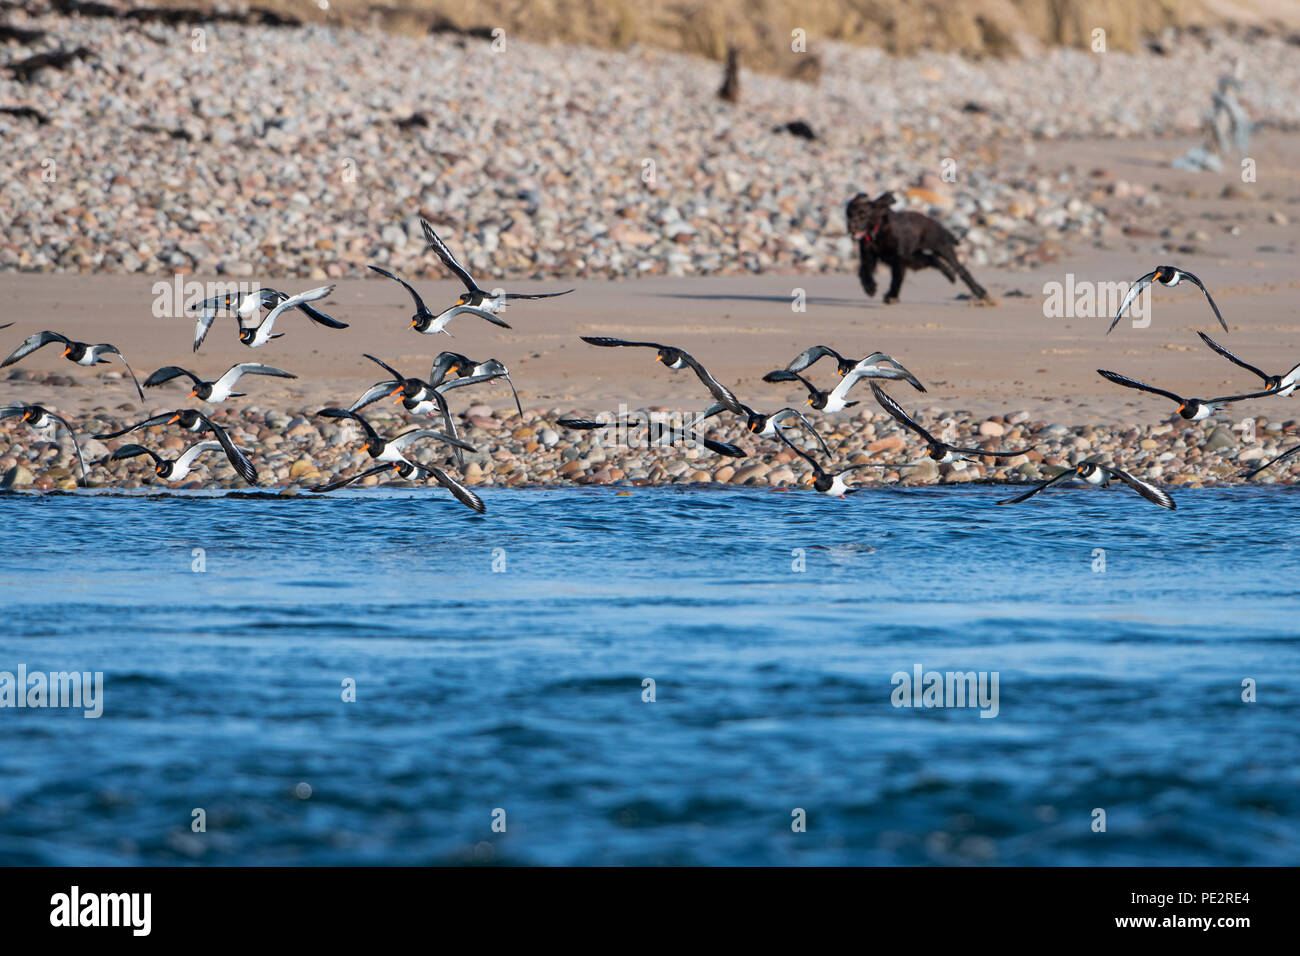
<point>67,350</point>
<point>192,394</point>
<point>809,402</point>
<point>398,400</point>
<point>174,418</point>
<point>396,390</point>
<point>413,323</point>
<point>658,358</point>
<point>26,415</point>
<point>1182,406</point>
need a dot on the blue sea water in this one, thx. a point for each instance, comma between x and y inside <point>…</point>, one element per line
<point>770,623</point>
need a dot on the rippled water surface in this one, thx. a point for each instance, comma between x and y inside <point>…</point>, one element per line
<point>521,689</point>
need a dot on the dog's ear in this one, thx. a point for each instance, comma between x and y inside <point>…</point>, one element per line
<point>884,200</point>
<point>858,200</point>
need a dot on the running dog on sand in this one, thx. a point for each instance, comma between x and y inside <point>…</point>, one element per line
<point>902,240</point>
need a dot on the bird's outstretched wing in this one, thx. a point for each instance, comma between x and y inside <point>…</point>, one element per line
<point>456,310</point>
<point>788,412</point>
<point>785,375</point>
<point>607,342</point>
<point>419,303</point>
<point>448,260</point>
<point>187,458</point>
<point>798,451</point>
<point>404,439</point>
<point>1208,298</point>
<point>344,482</point>
<point>896,410</point>
<point>1150,492</point>
<point>235,455</point>
<point>346,413</point>
<point>1230,357</point>
<point>32,343</point>
<point>1068,473</point>
<point>162,419</point>
<point>132,451</point>
<point>112,350</point>
<point>169,372</point>
<point>461,493</point>
<point>1134,291</point>
<point>536,295</point>
<point>1127,382</point>
<point>816,353</point>
<point>1251,473</point>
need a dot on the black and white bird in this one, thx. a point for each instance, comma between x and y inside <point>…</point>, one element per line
<point>195,421</point>
<point>82,353</point>
<point>168,470</point>
<point>1165,275</point>
<point>415,394</point>
<point>215,392</point>
<point>837,399</point>
<point>1098,474</point>
<point>1192,409</point>
<point>658,432</point>
<point>411,472</point>
<point>469,373</point>
<point>810,356</point>
<point>391,449</point>
<point>209,310</point>
<point>829,483</point>
<point>474,297</point>
<point>939,451</point>
<point>1284,384</point>
<point>766,426</point>
<point>257,337</point>
<point>43,419</point>
<point>675,358</point>
<point>265,298</point>
<point>426,322</point>
<point>1252,472</point>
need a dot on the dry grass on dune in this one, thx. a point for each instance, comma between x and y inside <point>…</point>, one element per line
<point>762,28</point>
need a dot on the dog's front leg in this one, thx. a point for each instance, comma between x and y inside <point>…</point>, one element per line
<point>896,270</point>
<point>867,268</point>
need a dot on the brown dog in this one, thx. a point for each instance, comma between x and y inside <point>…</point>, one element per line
<point>902,240</point>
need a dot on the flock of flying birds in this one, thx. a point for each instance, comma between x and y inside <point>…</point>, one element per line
<point>427,398</point>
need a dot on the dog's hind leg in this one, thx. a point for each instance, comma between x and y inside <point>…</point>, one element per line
<point>934,262</point>
<point>976,289</point>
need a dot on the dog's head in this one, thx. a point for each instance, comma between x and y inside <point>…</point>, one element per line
<point>865,214</point>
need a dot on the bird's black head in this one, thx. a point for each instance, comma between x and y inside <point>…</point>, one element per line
<point>818,399</point>
<point>420,321</point>
<point>246,335</point>
<point>1164,273</point>
<point>75,351</point>
<point>669,356</point>
<point>187,417</point>
<point>33,413</point>
<point>937,452</point>
<point>1086,470</point>
<point>163,468</point>
<point>757,423</point>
